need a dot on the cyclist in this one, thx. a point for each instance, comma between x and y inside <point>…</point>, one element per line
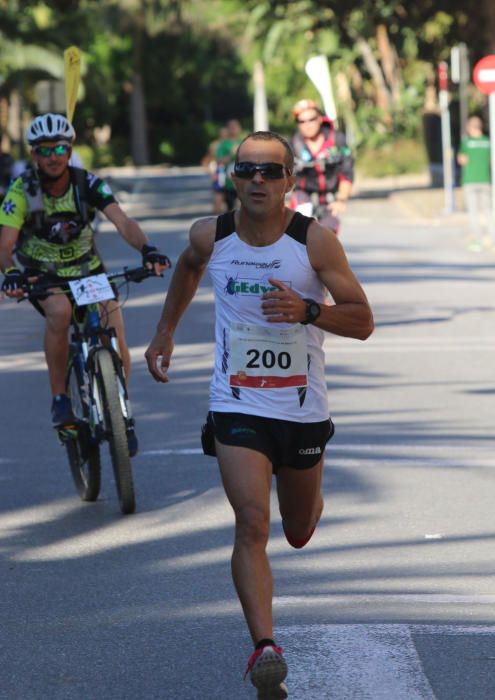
<point>324,166</point>
<point>45,222</point>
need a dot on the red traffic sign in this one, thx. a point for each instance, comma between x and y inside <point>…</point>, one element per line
<point>443,74</point>
<point>484,75</point>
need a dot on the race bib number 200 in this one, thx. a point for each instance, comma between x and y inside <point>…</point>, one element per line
<point>267,358</point>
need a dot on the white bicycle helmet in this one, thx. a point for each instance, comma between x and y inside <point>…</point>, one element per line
<point>50,127</point>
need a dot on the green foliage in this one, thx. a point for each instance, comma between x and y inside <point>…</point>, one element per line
<point>87,156</point>
<point>196,57</point>
<point>391,158</point>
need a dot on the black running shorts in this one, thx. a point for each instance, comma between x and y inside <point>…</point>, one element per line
<point>285,443</point>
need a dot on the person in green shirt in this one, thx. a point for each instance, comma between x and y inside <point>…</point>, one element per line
<point>474,159</point>
<point>225,157</point>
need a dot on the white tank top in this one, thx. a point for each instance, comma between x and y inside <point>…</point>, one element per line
<point>287,358</point>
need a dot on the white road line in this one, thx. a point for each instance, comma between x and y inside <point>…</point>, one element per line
<point>378,598</point>
<point>360,662</point>
<point>412,451</point>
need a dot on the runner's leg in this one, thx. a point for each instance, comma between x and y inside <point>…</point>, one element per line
<point>300,501</point>
<point>247,477</point>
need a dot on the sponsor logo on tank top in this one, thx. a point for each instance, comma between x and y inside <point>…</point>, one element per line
<point>273,265</point>
<point>246,286</point>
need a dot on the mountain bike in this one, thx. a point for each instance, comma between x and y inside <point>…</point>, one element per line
<point>96,385</point>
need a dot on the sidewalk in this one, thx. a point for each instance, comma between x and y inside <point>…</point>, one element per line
<point>414,195</point>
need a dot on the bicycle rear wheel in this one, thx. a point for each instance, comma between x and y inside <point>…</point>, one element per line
<point>83,454</point>
<point>115,429</point>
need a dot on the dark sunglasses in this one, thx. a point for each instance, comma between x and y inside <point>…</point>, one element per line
<point>270,171</point>
<point>305,121</point>
<point>60,149</point>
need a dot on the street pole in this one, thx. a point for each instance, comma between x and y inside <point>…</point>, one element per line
<point>463,84</point>
<point>260,116</point>
<point>459,67</point>
<point>443,98</point>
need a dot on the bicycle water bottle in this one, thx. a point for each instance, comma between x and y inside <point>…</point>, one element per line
<point>92,319</point>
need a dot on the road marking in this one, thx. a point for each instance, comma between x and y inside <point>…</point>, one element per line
<point>378,598</point>
<point>412,451</point>
<point>369,662</point>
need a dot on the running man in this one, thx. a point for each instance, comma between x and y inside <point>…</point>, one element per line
<point>273,271</point>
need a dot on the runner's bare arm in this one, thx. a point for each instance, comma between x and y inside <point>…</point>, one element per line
<point>187,275</point>
<point>351,315</point>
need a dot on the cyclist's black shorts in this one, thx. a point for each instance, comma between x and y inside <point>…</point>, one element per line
<point>52,278</point>
<point>285,443</point>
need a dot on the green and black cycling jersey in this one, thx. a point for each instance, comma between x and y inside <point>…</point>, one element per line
<point>56,235</point>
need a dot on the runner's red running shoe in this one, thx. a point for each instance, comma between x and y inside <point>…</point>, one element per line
<point>268,670</point>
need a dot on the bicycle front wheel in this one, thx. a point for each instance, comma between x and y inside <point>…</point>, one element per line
<point>108,384</point>
<point>84,460</point>
<point>83,454</point>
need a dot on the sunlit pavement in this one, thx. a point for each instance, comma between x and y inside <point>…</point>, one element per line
<point>393,599</point>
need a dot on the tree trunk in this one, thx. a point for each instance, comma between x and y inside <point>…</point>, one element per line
<point>373,68</point>
<point>139,134</point>
<point>488,15</point>
<point>388,59</point>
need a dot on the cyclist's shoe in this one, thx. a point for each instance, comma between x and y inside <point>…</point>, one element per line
<point>268,670</point>
<point>132,443</point>
<point>62,414</point>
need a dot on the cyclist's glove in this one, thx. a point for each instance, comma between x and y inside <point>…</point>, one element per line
<point>152,255</point>
<point>14,280</point>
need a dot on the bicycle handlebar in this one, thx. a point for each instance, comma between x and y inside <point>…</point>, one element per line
<point>134,274</point>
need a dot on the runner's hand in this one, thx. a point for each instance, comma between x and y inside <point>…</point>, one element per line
<point>283,305</point>
<point>158,356</point>
<point>13,282</point>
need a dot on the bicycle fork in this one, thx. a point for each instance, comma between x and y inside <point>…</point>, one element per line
<point>96,412</point>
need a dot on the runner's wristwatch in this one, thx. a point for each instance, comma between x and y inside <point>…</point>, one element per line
<point>313,310</point>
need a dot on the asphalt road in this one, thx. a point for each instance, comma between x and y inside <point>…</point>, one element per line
<point>394,597</point>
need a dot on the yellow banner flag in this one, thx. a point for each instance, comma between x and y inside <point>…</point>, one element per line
<point>72,72</point>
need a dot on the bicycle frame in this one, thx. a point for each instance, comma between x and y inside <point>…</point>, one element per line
<point>87,338</point>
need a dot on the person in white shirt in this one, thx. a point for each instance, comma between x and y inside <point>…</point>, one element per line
<point>273,272</point>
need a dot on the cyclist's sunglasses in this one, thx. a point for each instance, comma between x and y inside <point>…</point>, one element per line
<point>311,119</point>
<point>61,149</point>
<point>245,170</point>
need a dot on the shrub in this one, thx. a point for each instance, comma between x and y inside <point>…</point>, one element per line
<point>392,158</point>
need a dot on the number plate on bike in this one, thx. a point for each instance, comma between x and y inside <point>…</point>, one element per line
<point>89,290</point>
<point>267,358</point>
